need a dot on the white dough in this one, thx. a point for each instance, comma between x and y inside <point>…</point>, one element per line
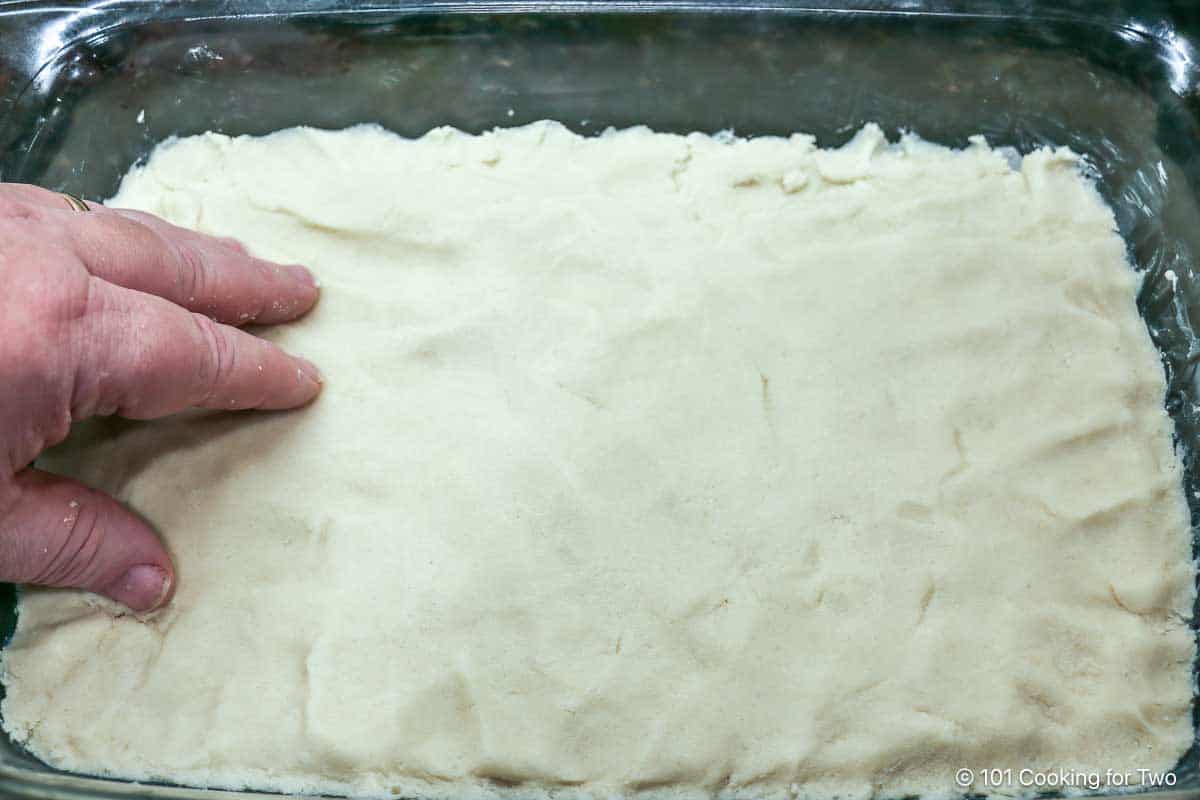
<point>645,462</point>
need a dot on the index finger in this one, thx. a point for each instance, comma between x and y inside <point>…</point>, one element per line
<point>209,275</point>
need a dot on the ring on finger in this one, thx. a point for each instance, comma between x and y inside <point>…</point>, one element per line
<point>76,203</point>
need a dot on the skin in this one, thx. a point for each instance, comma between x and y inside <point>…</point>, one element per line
<point>118,312</point>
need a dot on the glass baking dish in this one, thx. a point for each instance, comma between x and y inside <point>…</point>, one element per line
<point>88,90</point>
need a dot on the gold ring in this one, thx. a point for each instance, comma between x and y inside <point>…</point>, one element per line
<point>76,203</point>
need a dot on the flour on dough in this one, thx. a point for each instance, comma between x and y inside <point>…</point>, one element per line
<point>645,463</point>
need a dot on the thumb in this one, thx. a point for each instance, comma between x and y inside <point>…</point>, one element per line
<point>56,532</point>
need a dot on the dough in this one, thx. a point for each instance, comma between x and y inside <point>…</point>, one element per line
<point>645,462</point>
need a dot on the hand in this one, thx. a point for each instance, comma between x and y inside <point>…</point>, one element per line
<point>111,311</point>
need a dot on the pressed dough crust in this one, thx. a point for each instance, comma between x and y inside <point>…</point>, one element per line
<point>645,462</point>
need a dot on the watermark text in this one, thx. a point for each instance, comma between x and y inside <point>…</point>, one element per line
<point>1051,779</point>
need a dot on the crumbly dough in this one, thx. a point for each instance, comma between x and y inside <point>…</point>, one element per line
<point>674,464</point>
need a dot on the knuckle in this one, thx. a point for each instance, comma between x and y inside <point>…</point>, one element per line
<point>71,557</point>
<point>192,272</point>
<point>72,298</point>
<point>18,209</point>
<point>218,357</point>
<point>41,277</point>
<point>22,244</point>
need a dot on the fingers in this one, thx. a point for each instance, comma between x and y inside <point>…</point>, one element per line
<point>142,357</point>
<point>210,275</point>
<point>55,532</point>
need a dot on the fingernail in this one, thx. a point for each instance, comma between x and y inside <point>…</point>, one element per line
<point>301,274</point>
<point>142,588</point>
<point>309,369</point>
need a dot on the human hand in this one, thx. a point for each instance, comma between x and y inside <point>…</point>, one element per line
<point>112,311</point>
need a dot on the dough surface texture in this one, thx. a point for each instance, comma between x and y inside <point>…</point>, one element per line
<point>681,465</point>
